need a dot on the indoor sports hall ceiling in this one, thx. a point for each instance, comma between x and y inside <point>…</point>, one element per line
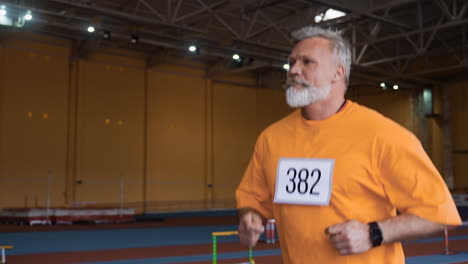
<point>416,43</point>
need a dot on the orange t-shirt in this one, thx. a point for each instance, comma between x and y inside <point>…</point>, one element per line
<point>379,168</point>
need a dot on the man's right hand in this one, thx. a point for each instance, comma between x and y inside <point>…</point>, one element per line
<point>250,228</point>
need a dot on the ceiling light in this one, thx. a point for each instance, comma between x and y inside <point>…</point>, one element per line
<point>383,85</point>
<point>332,14</point>
<point>193,49</point>
<point>286,66</point>
<point>318,18</point>
<point>328,15</point>
<point>395,87</point>
<point>239,61</point>
<point>28,15</point>
<point>134,39</point>
<point>91,29</point>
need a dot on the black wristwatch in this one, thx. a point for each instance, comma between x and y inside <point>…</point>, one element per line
<point>375,234</point>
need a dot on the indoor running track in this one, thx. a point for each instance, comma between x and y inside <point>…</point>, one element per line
<point>175,240</point>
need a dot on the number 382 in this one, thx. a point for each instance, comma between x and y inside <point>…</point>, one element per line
<point>299,183</point>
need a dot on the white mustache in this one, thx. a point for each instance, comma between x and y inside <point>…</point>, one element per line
<point>292,81</point>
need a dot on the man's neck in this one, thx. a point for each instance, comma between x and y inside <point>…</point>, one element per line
<point>323,109</point>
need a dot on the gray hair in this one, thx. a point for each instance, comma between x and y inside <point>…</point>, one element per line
<point>340,48</point>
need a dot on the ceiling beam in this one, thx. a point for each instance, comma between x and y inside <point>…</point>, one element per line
<point>449,24</point>
<point>263,6</point>
<point>440,69</point>
<point>375,70</point>
<point>220,20</point>
<point>377,79</point>
<point>202,10</point>
<point>351,10</point>
<point>153,10</point>
<point>123,15</point>
<point>348,18</point>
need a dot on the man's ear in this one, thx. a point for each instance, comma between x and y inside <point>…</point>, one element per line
<point>339,73</point>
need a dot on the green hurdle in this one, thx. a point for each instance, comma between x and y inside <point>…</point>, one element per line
<point>227,233</point>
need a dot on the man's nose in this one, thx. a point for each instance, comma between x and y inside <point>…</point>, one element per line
<point>295,69</point>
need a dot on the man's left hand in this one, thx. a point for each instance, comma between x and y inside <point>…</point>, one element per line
<point>350,237</point>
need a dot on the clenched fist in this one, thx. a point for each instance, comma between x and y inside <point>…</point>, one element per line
<point>250,228</point>
<point>350,237</point>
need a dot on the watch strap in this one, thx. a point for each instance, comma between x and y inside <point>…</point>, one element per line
<point>375,234</point>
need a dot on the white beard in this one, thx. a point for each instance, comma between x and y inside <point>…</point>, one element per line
<point>307,95</point>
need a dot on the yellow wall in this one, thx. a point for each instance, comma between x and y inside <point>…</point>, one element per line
<point>396,105</point>
<point>234,135</point>
<point>271,106</point>
<point>110,132</point>
<point>177,139</point>
<point>34,124</point>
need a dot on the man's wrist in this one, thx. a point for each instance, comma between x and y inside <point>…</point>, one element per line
<point>245,210</point>
<point>375,234</point>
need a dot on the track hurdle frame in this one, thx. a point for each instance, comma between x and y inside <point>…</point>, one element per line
<point>3,252</point>
<point>446,239</point>
<point>227,233</point>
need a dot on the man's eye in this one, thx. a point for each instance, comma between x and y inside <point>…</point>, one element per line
<point>307,61</point>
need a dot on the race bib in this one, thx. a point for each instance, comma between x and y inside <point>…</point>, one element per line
<point>304,181</point>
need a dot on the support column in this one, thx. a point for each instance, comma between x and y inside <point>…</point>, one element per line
<point>209,159</point>
<point>447,138</point>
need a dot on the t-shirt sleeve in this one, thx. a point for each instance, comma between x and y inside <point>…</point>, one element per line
<point>413,184</point>
<point>253,191</point>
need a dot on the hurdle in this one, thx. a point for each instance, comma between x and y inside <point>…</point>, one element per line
<point>3,252</point>
<point>227,233</point>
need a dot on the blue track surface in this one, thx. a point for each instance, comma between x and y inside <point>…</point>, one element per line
<point>68,241</point>
<point>63,241</point>
<point>183,259</point>
<point>438,259</point>
<point>435,239</point>
<point>430,259</point>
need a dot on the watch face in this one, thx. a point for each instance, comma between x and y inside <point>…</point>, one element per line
<point>375,234</point>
